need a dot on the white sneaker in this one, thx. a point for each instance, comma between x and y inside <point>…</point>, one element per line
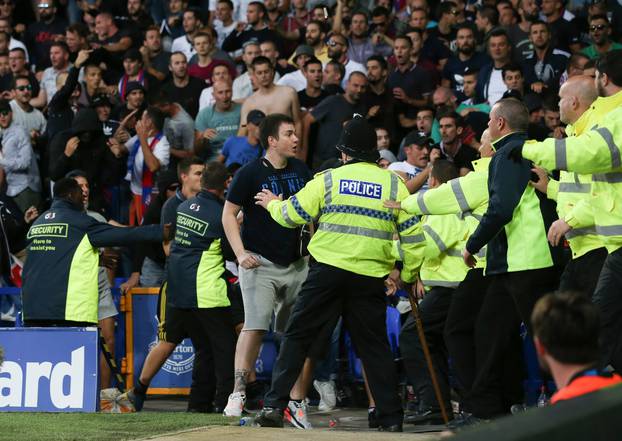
<point>328,395</point>
<point>296,415</point>
<point>235,404</point>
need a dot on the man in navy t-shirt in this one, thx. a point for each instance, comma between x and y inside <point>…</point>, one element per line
<point>270,263</point>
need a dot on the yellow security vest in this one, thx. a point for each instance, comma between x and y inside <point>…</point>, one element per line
<point>355,232</point>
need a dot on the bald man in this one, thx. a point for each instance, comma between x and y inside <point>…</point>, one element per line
<point>572,192</point>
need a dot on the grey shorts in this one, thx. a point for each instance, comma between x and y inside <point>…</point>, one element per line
<point>106,306</point>
<point>268,290</point>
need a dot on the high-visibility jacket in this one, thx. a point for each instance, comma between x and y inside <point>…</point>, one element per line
<point>355,232</point>
<point>61,272</point>
<point>596,151</point>
<point>466,195</point>
<point>516,221</point>
<point>572,191</point>
<point>445,237</point>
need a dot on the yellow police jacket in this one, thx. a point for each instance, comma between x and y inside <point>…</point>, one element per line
<point>355,232</point>
<point>597,151</point>
<point>446,237</point>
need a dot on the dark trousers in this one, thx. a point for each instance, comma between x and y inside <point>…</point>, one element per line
<point>510,298</point>
<point>466,303</point>
<point>581,274</point>
<point>433,313</point>
<point>328,293</point>
<point>608,298</point>
<point>211,331</point>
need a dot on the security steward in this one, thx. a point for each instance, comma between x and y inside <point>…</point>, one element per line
<point>352,252</point>
<point>597,151</point>
<point>197,301</point>
<point>60,279</point>
<point>519,261</point>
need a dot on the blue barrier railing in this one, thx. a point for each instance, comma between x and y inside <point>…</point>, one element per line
<point>12,291</point>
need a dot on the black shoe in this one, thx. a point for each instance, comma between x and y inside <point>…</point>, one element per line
<point>201,409</point>
<point>269,417</point>
<point>464,420</point>
<point>424,416</point>
<point>372,418</point>
<point>136,398</point>
<point>390,428</point>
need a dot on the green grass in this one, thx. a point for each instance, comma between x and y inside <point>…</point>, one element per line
<point>99,427</point>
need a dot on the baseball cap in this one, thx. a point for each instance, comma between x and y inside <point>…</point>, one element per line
<point>255,117</point>
<point>304,49</point>
<point>132,86</point>
<point>5,106</point>
<point>417,138</point>
<point>101,99</point>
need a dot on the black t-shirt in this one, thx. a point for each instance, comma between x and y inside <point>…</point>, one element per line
<point>455,67</point>
<point>188,96</point>
<point>330,114</point>
<point>39,37</point>
<point>309,102</point>
<point>261,234</point>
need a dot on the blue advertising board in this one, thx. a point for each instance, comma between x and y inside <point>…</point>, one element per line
<point>49,370</point>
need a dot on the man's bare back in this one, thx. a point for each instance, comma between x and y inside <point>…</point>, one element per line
<point>277,99</point>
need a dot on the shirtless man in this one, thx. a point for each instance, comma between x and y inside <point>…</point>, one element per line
<point>270,98</point>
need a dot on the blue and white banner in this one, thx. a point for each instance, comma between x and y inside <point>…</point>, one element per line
<point>49,370</point>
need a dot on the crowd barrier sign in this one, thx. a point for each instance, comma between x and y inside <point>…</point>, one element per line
<point>49,370</point>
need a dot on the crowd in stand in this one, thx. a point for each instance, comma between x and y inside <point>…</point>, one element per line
<point>133,97</point>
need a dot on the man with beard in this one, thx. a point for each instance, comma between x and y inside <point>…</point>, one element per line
<point>256,28</point>
<point>564,31</point>
<point>331,114</point>
<point>361,45</point>
<point>338,50</point>
<point>59,57</point>
<point>314,37</point>
<point>182,88</point>
<point>545,67</point>
<point>566,328</point>
<point>378,98</point>
<point>519,33</point>
<point>466,57</point>
<point>461,155</point>
<point>600,33</point>
<point>41,34</point>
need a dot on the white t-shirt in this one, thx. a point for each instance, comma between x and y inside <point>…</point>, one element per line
<point>223,31</point>
<point>496,86</point>
<point>207,98</point>
<point>182,44</point>
<point>352,66</point>
<point>405,167</point>
<point>161,151</point>
<point>296,80</point>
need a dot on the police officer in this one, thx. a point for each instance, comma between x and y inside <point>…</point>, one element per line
<point>197,301</point>
<point>597,151</point>
<point>60,276</point>
<point>352,252</point>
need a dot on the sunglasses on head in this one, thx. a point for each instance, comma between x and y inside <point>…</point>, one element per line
<point>599,27</point>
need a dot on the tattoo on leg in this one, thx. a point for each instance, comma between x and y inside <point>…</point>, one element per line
<point>241,379</point>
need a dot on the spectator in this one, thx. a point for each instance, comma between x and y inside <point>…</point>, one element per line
<point>83,146</point>
<point>447,20</point>
<point>471,103</point>
<point>91,85</point>
<point>600,35</point>
<point>270,98</point>
<point>312,94</point>
<point>224,23</point>
<point>59,58</point>
<point>338,50</point>
<point>76,36</point>
<point>383,143</point>
<point>134,72</point>
<point>378,98</point>
<point>103,107</point>
<point>40,35</point>
<point>316,38</point>
<point>256,28</point>
<point>461,155</point>
<point>138,19</point>
<point>113,41</point>
<point>5,67</point>
<point>545,68</point>
<point>507,16</point>
<point>24,114</point>
<point>270,51</point>
<point>243,149</point>
<point>155,58</point>
<point>18,161</point>
<point>576,65</point>
<point>416,37</point>
<point>172,25</point>
<point>333,77</point>
<point>513,78</point>
<point>433,49</point>
<point>17,64</point>
<point>242,85</point>
<point>149,151</point>
<point>486,19</point>
<point>564,31</point>
<point>551,117</point>
<point>178,129</point>
<point>134,100</point>
<point>192,25</point>
<point>361,46</point>
<point>219,122</point>
<point>182,88</point>
<point>5,26</point>
<point>296,80</point>
<point>490,83</point>
<point>204,63</point>
<point>519,33</point>
<point>219,73</point>
<point>566,335</point>
<point>330,115</point>
<point>415,167</point>
<point>466,57</point>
